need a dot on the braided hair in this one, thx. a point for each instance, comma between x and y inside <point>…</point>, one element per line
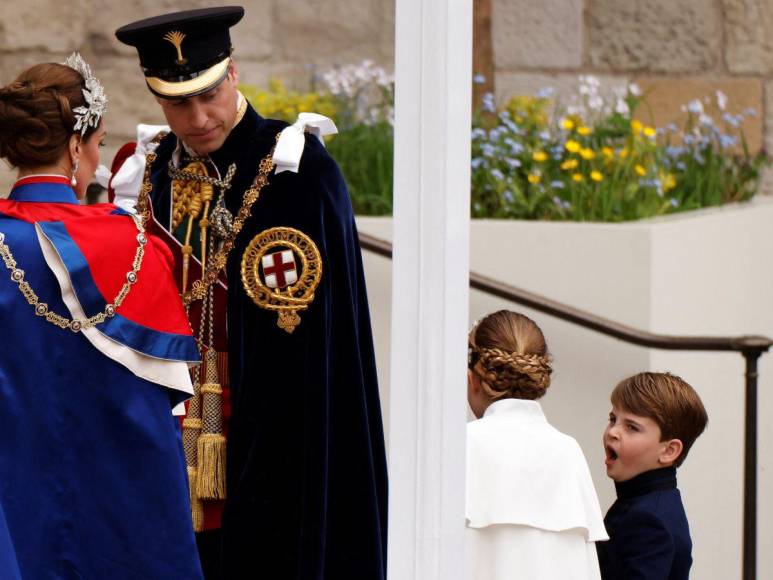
<point>507,351</point>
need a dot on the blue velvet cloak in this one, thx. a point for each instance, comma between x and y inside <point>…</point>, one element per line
<point>307,480</point>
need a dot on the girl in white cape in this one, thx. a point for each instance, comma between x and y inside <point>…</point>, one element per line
<point>532,511</point>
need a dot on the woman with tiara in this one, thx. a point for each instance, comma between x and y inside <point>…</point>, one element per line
<point>94,357</point>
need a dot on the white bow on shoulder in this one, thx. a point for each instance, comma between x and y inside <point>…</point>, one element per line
<point>289,147</point>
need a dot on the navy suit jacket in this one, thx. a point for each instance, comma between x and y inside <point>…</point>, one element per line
<point>649,538</point>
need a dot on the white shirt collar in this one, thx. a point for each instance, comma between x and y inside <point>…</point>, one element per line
<point>522,408</point>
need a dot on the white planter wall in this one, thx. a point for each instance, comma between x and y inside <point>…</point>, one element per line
<point>708,272</point>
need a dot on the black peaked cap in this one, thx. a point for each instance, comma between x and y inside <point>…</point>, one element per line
<point>181,47</point>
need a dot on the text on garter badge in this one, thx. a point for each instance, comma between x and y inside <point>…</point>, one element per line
<point>281,269</point>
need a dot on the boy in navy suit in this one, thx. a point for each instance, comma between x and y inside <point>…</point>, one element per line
<point>655,419</point>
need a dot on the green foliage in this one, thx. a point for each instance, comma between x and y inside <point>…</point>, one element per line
<point>587,159</point>
<point>364,153</point>
<point>595,161</point>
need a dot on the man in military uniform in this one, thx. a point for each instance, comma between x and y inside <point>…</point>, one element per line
<point>268,218</point>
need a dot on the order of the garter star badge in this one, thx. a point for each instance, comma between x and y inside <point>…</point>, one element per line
<point>273,277</point>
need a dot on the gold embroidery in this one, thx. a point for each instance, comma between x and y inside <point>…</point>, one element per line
<point>176,38</point>
<point>218,261</point>
<point>288,299</point>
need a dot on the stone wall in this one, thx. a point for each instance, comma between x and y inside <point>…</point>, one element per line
<point>282,38</point>
<point>676,50</point>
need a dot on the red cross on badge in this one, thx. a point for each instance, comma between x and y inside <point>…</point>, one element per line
<point>279,269</point>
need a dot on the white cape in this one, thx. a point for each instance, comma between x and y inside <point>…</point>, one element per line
<point>532,510</point>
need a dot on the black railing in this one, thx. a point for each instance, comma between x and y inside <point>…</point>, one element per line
<point>751,347</point>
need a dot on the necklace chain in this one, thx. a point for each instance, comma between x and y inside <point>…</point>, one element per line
<point>76,325</point>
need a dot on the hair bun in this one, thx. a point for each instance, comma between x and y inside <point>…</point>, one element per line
<point>523,376</point>
<point>36,114</point>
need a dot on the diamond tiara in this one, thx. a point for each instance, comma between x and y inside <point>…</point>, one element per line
<point>94,93</point>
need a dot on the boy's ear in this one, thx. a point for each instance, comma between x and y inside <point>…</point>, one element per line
<point>671,451</point>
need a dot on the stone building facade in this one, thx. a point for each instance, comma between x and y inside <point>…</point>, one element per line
<point>675,50</point>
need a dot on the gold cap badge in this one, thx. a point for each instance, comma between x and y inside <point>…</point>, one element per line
<point>176,38</point>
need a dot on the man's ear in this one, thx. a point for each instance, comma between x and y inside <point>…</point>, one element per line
<point>671,451</point>
<point>232,72</point>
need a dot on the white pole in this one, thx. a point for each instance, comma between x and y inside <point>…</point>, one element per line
<point>430,289</point>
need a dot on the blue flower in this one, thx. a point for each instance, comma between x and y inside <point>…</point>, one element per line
<point>561,203</point>
<point>674,202</point>
<point>477,162</point>
<point>557,184</point>
<point>479,79</point>
<point>674,151</point>
<point>488,103</point>
<point>515,147</point>
<point>681,165</point>
<point>544,135</point>
<point>508,195</point>
<point>497,174</point>
<point>732,120</point>
<point>487,149</point>
<point>478,133</point>
<point>512,127</point>
<point>513,163</point>
<point>726,141</point>
<point>545,92</point>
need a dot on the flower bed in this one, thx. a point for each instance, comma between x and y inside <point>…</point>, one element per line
<point>588,157</point>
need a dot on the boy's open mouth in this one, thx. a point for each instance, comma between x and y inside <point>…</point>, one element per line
<point>611,455</point>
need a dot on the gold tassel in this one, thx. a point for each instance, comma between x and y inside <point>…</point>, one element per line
<point>197,507</point>
<point>211,451</point>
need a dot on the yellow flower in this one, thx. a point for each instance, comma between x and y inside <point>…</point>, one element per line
<point>640,170</point>
<point>624,152</point>
<point>608,152</point>
<point>533,178</point>
<point>650,132</point>
<point>572,146</point>
<point>636,127</point>
<point>540,156</point>
<point>569,164</point>
<point>583,130</point>
<point>596,175</point>
<point>669,182</point>
<point>577,177</point>
<point>567,124</point>
<point>587,154</point>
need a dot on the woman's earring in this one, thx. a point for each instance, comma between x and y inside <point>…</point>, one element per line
<point>74,181</point>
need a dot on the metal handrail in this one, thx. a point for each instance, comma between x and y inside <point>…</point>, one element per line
<point>751,347</point>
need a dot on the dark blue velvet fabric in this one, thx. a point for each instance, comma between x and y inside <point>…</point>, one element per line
<point>92,475</point>
<point>649,538</point>
<point>307,481</point>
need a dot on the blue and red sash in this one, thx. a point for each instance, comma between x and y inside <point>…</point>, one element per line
<point>95,247</point>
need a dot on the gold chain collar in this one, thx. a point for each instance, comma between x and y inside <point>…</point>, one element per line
<point>76,325</point>
<point>218,262</point>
